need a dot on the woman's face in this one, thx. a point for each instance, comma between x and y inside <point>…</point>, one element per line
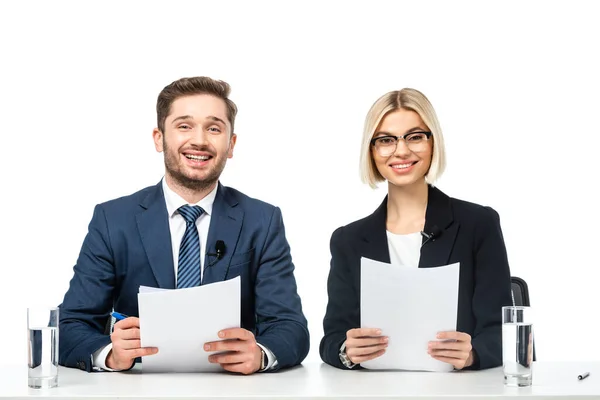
<point>411,159</point>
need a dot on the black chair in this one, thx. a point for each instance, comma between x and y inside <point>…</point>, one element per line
<point>109,324</point>
<point>520,296</point>
<point>520,292</point>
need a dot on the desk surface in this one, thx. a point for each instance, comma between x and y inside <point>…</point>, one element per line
<point>311,381</point>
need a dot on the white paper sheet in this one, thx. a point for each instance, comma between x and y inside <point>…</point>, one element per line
<point>150,289</point>
<point>410,306</point>
<point>178,322</point>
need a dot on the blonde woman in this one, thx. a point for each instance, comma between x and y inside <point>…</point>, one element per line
<point>416,225</point>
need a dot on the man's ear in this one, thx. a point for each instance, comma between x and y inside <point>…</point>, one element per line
<point>232,141</point>
<point>157,135</point>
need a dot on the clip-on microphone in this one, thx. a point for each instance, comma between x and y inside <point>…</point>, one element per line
<point>433,234</point>
<point>220,252</point>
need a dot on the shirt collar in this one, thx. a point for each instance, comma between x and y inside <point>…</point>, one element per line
<point>174,201</point>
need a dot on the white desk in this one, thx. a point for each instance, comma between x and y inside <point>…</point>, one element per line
<point>554,381</point>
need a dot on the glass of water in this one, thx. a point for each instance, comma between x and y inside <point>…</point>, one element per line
<point>42,341</point>
<point>517,345</point>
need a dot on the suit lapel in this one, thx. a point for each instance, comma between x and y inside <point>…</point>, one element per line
<point>436,252</point>
<point>153,226</point>
<point>374,235</point>
<point>226,225</point>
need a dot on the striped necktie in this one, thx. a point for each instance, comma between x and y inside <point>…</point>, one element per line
<point>188,267</point>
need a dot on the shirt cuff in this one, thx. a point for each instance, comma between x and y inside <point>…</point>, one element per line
<point>99,359</point>
<point>271,359</point>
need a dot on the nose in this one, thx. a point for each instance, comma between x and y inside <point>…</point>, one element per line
<point>199,137</point>
<point>402,149</point>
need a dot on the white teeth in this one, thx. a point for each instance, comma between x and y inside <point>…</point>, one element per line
<point>402,166</point>
<point>197,158</point>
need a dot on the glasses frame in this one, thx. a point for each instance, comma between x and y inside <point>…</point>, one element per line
<point>397,138</point>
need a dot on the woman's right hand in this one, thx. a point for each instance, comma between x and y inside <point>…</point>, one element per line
<point>364,344</point>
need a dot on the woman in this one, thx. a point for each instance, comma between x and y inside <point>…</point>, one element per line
<point>416,225</point>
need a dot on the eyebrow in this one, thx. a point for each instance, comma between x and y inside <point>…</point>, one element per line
<point>182,118</point>
<point>188,117</point>
<point>415,129</point>
<point>216,119</point>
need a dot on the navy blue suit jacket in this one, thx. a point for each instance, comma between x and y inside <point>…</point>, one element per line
<point>129,244</point>
<point>470,234</point>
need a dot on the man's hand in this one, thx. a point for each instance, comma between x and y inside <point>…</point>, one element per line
<point>126,345</point>
<point>455,348</point>
<point>363,344</point>
<point>241,353</point>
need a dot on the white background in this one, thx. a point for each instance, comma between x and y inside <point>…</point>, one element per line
<point>515,85</point>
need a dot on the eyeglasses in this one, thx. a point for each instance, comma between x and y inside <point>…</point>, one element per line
<point>387,145</point>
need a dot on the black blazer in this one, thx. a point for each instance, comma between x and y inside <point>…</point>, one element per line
<point>470,234</point>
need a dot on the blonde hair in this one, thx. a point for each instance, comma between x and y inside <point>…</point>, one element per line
<point>407,99</point>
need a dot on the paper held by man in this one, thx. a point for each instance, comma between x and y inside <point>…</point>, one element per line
<point>179,322</point>
<point>410,306</point>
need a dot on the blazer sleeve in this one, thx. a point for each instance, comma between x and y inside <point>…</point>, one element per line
<point>343,307</point>
<point>492,290</point>
<point>281,325</point>
<point>88,301</point>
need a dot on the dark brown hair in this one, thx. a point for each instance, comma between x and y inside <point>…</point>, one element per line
<point>191,86</point>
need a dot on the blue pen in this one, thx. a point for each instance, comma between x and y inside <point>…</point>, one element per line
<point>118,316</point>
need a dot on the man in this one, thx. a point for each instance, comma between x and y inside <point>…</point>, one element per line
<point>155,237</point>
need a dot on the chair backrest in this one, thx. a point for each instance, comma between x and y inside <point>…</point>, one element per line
<point>520,292</point>
<point>520,297</point>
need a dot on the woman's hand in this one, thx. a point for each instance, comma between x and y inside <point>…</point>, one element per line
<point>364,344</point>
<point>453,348</point>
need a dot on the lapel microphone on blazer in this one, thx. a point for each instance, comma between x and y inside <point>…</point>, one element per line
<point>220,249</point>
<point>434,233</point>
<point>220,252</point>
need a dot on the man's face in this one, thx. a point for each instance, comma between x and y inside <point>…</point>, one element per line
<point>196,141</point>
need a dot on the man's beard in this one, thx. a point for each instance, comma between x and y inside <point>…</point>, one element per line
<point>172,164</point>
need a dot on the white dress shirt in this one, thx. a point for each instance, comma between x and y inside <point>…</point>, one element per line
<point>177,227</point>
<point>177,223</point>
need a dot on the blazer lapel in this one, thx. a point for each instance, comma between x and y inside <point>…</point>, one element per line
<point>436,252</point>
<point>226,225</point>
<point>374,235</point>
<point>153,225</point>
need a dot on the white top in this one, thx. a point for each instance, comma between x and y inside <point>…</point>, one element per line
<point>405,250</point>
<point>551,381</point>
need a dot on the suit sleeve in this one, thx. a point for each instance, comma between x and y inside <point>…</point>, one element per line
<point>492,290</point>
<point>281,326</point>
<point>88,301</point>
<point>343,306</point>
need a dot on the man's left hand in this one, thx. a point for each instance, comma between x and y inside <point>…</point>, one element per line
<point>453,348</point>
<point>241,353</point>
